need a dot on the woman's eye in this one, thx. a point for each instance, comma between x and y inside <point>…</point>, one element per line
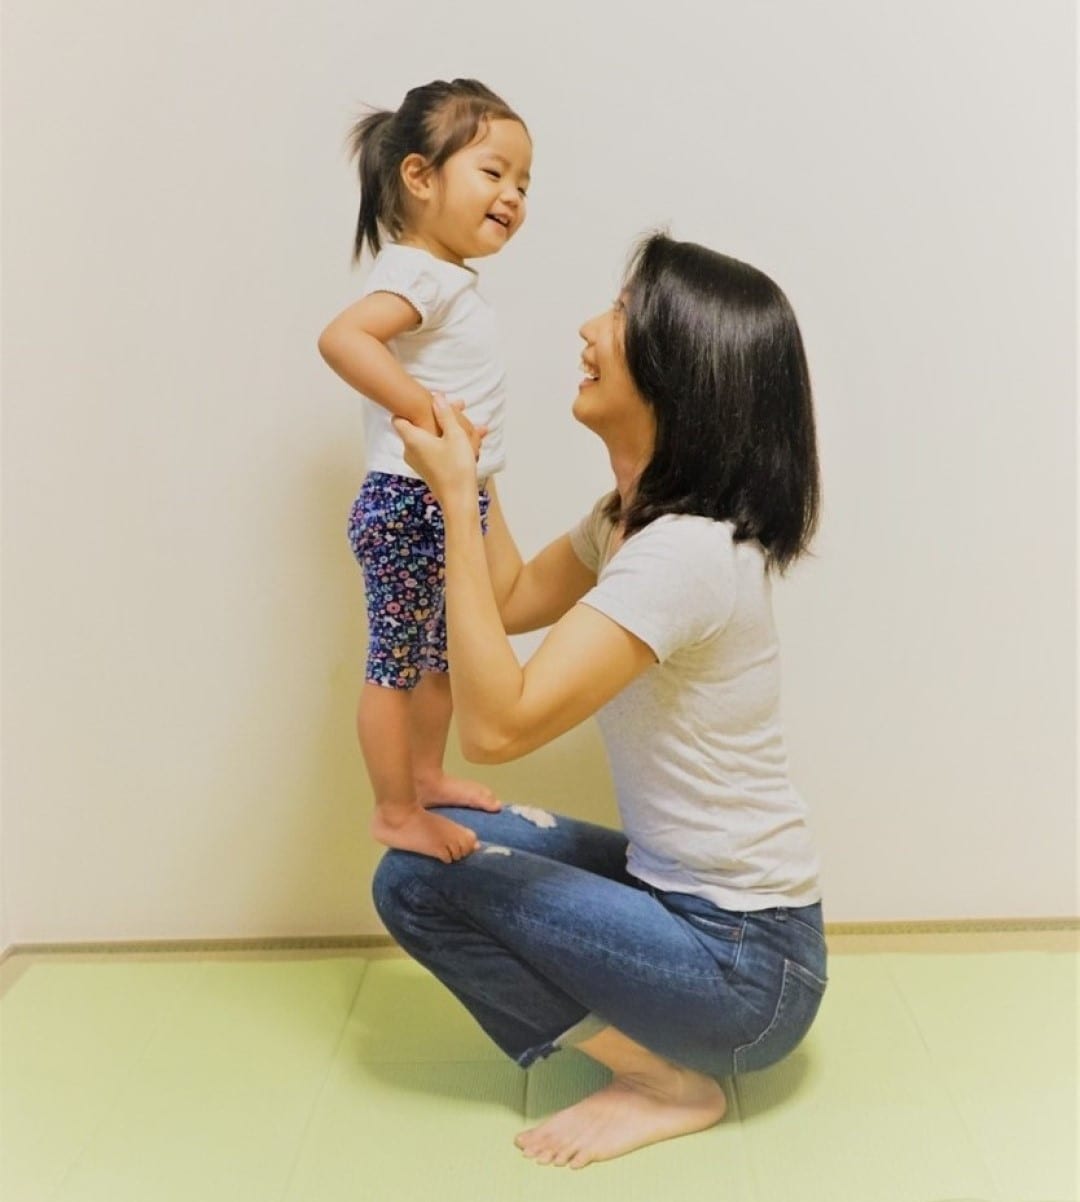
<point>492,172</point>
<point>522,193</point>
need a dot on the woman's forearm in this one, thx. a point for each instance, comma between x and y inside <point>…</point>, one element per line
<point>487,678</point>
<point>503,558</point>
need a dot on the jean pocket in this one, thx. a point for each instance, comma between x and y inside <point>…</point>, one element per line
<point>801,992</point>
<point>719,935</point>
<point>718,927</point>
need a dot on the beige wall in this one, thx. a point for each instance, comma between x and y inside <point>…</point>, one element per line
<point>182,618</point>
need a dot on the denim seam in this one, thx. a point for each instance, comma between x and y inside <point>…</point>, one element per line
<point>738,950</point>
<point>791,968</point>
<point>773,1022</point>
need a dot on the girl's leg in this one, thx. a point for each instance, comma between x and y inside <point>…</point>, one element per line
<point>383,727</point>
<point>388,530</point>
<point>430,724</point>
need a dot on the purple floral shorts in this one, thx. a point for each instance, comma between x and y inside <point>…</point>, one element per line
<point>396,531</point>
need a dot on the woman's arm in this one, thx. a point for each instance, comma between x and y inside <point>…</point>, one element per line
<point>505,709</point>
<point>534,594</point>
<point>354,345</point>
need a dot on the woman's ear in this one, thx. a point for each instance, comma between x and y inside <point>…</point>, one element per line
<point>418,176</point>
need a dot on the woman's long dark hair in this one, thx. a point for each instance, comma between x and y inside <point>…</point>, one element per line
<point>714,348</point>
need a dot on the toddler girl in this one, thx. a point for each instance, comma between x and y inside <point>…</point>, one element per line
<point>442,180</point>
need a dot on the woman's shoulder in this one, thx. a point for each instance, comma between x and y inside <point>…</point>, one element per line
<point>674,583</point>
<point>694,554</point>
<point>688,534</point>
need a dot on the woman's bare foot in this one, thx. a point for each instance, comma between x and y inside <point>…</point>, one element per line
<point>630,1113</point>
<point>453,791</point>
<point>411,828</point>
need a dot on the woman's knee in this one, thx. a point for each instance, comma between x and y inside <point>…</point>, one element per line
<point>394,869</point>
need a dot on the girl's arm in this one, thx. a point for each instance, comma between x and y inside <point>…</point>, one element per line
<point>534,594</point>
<point>505,709</point>
<point>354,345</point>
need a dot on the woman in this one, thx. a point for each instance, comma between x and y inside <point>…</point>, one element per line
<point>688,946</point>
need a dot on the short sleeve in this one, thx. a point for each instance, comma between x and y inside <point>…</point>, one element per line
<point>412,277</point>
<point>588,537</point>
<point>671,584</point>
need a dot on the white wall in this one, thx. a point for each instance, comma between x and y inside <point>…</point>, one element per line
<point>4,940</point>
<point>182,618</point>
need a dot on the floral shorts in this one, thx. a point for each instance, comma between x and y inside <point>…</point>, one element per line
<point>396,531</point>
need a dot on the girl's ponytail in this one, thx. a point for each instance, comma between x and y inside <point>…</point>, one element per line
<point>434,121</point>
<point>368,142</point>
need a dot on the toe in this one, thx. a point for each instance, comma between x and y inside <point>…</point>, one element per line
<point>526,1140</point>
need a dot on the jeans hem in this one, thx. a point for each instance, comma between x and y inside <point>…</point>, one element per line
<point>586,1028</point>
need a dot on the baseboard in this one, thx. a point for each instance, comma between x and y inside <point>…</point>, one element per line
<point>952,926</point>
<point>279,943</point>
<point>936,926</point>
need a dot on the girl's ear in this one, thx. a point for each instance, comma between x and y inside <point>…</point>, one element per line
<point>418,176</point>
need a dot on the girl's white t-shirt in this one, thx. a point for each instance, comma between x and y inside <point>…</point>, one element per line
<point>454,350</point>
<point>695,743</point>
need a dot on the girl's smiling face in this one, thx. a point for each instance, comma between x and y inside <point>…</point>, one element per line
<point>475,203</point>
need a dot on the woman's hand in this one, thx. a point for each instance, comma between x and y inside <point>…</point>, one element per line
<point>446,460</point>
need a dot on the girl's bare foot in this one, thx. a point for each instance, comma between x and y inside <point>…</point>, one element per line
<point>411,828</point>
<point>453,791</point>
<point>630,1113</point>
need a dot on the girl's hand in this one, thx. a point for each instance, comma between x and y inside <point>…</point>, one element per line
<point>447,460</point>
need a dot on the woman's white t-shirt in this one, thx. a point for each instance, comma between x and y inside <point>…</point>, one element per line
<point>453,350</point>
<point>695,743</point>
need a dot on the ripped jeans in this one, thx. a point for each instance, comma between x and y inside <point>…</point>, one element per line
<point>547,940</point>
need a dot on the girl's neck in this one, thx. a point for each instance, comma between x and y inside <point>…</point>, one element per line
<point>421,241</point>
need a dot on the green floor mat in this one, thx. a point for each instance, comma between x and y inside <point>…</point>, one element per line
<point>71,1035</point>
<point>927,1078</point>
<point>220,1098</point>
<point>401,1132</point>
<point>1005,1050</point>
<point>404,1014</point>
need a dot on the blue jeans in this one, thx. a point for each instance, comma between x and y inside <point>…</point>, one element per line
<point>547,940</point>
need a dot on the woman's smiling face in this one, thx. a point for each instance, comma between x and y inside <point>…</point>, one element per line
<point>608,399</point>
